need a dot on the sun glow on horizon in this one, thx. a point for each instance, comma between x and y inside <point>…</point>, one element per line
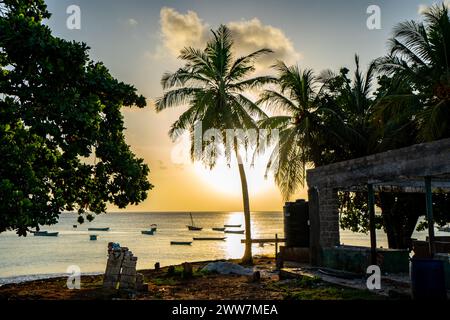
<point>225,178</point>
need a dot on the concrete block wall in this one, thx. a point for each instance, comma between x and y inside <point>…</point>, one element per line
<point>329,217</point>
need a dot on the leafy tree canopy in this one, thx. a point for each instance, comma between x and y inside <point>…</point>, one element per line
<point>62,144</point>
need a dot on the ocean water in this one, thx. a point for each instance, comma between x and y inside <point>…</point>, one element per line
<point>27,258</point>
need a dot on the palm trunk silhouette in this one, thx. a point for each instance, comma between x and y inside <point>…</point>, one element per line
<point>247,258</point>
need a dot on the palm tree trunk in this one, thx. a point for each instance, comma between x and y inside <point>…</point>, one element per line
<point>247,258</point>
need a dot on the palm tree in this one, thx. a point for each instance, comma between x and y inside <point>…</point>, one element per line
<point>212,85</point>
<point>353,102</point>
<point>298,125</point>
<point>420,56</point>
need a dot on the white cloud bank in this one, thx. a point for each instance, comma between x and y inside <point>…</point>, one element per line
<point>189,30</point>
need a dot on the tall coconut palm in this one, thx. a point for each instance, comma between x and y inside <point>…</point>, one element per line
<point>212,85</point>
<point>298,120</point>
<point>420,55</point>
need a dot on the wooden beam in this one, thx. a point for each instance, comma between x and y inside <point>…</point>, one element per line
<point>265,240</point>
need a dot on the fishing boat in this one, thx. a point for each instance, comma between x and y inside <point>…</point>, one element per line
<point>192,227</point>
<point>210,239</point>
<point>148,232</point>
<point>232,225</point>
<point>235,231</point>
<point>180,243</point>
<point>218,229</point>
<point>45,234</point>
<point>98,229</point>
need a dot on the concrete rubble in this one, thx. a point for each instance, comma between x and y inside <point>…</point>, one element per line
<point>121,271</point>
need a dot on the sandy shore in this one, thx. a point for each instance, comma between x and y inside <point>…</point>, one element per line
<point>201,286</point>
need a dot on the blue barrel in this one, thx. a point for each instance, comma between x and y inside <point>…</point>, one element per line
<point>428,279</point>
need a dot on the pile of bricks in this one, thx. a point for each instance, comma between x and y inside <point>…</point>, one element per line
<point>120,270</point>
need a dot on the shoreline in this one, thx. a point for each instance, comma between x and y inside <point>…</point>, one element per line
<point>41,276</point>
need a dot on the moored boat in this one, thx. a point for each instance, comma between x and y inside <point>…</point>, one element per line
<point>232,225</point>
<point>181,243</point>
<point>45,234</point>
<point>148,232</point>
<point>98,229</point>
<point>218,229</point>
<point>235,231</point>
<point>210,239</point>
<point>192,226</point>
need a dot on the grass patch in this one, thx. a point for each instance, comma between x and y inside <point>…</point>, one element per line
<point>331,293</point>
<point>313,288</point>
<point>165,281</point>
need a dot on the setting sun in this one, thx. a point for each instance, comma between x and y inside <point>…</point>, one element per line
<point>225,179</point>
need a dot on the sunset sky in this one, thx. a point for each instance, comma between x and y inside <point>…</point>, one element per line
<point>140,40</point>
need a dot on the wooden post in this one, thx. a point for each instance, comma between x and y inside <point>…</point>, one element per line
<point>187,270</point>
<point>373,236</point>
<point>429,201</point>
<point>171,271</point>
<point>276,246</point>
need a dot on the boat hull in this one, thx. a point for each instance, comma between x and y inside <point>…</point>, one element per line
<point>98,229</point>
<point>210,239</point>
<point>192,228</point>
<point>180,243</point>
<point>148,232</point>
<point>235,231</point>
<point>218,229</point>
<point>232,225</point>
<point>45,234</point>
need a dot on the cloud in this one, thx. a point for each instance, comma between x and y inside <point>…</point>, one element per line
<point>132,22</point>
<point>180,30</point>
<point>252,35</point>
<point>424,8</point>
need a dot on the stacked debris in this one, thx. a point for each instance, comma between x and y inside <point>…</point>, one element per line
<point>120,270</point>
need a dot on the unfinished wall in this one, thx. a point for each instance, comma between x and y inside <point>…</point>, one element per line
<point>324,221</point>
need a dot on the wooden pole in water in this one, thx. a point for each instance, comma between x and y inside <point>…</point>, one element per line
<point>373,237</point>
<point>429,200</point>
<point>276,246</point>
